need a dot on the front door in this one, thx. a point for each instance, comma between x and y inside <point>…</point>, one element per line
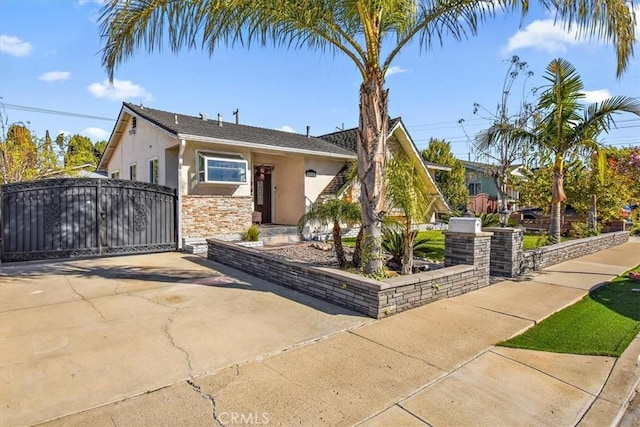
<point>262,191</point>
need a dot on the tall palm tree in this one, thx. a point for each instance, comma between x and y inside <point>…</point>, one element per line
<point>359,29</point>
<point>335,212</point>
<point>407,193</point>
<point>569,127</point>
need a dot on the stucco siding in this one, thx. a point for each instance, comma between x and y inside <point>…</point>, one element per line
<point>139,147</point>
<point>326,170</point>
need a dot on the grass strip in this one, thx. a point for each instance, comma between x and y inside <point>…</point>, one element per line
<point>603,323</point>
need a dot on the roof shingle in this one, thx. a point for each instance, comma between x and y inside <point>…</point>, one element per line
<point>180,124</point>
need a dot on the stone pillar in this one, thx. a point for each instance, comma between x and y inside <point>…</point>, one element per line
<point>506,251</point>
<point>469,249</point>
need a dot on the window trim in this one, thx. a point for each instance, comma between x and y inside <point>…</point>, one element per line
<point>227,157</point>
<point>117,171</point>
<point>133,178</point>
<point>476,185</point>
<point>150,163</point>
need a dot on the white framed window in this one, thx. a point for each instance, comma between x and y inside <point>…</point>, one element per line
<point>115,174</point>
<point>133,171</point>
<point>221,169</point>
<point>154,173</point>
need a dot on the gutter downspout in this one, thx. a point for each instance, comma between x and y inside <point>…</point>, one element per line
<point>183,143</point>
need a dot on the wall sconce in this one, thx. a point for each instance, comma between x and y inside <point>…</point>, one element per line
<point>310,173</point>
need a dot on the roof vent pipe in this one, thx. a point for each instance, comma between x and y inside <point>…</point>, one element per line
<point>308,130</point>
<point>219,119</point>
<point>237,114</point>
<point>204,117</point>
<point>175,118</point>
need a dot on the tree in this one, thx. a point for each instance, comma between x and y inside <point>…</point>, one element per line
<point>336,212</point>
<point>18,155</point>
<point>359,29</point>
<point>567,126</point>
<point>510,135</point>
<point>408,194</point>
<point>451,183</point>
<point>81,153</point>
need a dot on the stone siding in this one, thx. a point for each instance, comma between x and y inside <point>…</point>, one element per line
<point>506,251</point>
<point>373,298</point>
<point>215,216</point>
<point>547,256</point>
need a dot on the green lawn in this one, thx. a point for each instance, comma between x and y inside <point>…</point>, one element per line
<point>534,241</point>
<point>603,323</point>
<point>436,243</point>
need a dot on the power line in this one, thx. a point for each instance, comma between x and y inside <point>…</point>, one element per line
<point>54,112</point>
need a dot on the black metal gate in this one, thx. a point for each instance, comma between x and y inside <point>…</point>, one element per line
<point>70,217</point>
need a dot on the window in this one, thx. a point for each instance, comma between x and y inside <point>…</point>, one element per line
<point>153,171</point>
<point>134,123</point>
<point>115,174</point>
<point>475,188</point>
<point>133,173</point>
<point>221,170</point>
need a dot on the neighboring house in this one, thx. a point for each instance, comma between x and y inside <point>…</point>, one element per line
<point>483,187</point>
<point>228,175</point>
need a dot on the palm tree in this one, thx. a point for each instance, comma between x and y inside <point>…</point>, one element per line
<point>336,212</point>
<point>407,193</point>
<point>355,28</point>
<point>569,127</point>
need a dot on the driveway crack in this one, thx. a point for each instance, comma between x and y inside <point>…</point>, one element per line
<point>211,397</point>
<point>173,343</point>
<point>85,300</point>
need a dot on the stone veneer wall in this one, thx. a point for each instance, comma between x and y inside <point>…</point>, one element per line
<point>215,216</point>
<point>373,298</point>
<point>546,256</point>
<point>506,251</point>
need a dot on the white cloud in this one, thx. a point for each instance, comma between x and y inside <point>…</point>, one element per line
<point>395,70</point>
<point>14,46</point>
<point>545,35</point>
<point>287,128</point>
<point>119,90</point>
<point>96,134</point>
<point>52,76</point>
<point>599,95</point>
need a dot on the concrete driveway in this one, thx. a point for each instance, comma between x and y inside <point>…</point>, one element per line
<point>78,334</point>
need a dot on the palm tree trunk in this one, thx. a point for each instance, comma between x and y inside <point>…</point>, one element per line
<point>407,256</point>
<point>337,245</point>
<point>371,146</point>
<point>557,197</point>
<point>357,252</point>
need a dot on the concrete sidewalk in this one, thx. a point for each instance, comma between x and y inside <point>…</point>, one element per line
<point>434,365</point>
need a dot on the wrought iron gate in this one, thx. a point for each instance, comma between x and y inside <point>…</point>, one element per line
<point>70,217</point>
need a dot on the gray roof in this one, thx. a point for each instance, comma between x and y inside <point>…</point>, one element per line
<point>197,126</point>
<point>347,140</point>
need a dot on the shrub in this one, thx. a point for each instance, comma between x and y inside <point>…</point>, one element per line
<point>393,244</point>
<point>252,234</point>
<point>635,229</point>
<point>581,230</point>
<point>489,219</point>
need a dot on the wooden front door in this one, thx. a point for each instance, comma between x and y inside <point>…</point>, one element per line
<point>262,191</point>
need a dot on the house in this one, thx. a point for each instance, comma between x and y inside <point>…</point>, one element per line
<point>483,187</point>
<point>228,174</point>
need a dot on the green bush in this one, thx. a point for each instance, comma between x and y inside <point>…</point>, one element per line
<point>489,219</point>
<point>393,243</point>
<point>580,230</point>
<point>635,229</point>
<point>252,234</point>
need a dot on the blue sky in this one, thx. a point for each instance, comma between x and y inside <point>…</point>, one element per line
<point>49,59</point>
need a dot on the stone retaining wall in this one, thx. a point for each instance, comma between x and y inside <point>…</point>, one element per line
<point>371,297</point>
<point>546,256</point>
